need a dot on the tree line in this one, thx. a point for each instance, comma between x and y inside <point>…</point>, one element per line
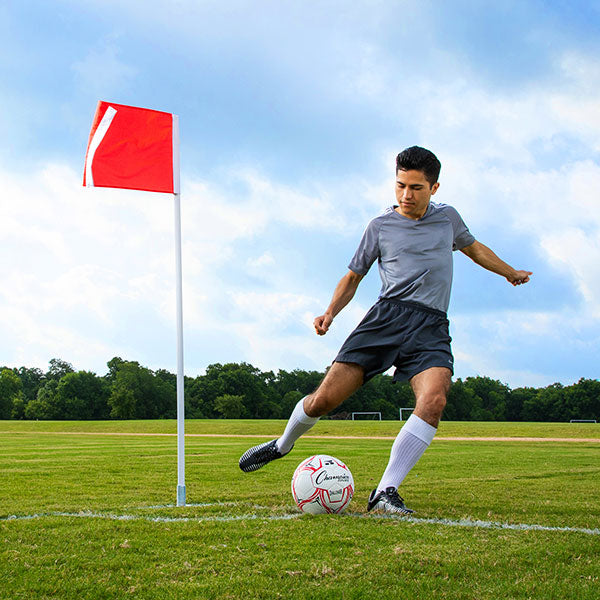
<point>241,391</point>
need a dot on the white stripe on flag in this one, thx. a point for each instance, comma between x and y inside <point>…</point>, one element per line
<point>99,134</point>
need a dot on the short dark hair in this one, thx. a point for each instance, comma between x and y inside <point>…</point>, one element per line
<point>416,158</point>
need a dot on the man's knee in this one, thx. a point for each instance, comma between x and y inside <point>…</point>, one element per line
<point>432,405</point>
<point>320,403</point>
<point>437,401</point>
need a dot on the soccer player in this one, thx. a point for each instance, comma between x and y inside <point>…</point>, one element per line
<point>406,328</point>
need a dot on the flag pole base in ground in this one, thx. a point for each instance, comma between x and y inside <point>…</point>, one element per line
<point>181,495</point>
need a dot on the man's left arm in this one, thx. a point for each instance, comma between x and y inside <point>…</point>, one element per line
<point>483,256</point>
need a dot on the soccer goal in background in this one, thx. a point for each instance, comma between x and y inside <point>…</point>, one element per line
<point>408,409</point>
<point>582,421</point>
<point>375,415</point>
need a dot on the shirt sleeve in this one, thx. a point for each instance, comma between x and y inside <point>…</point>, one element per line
<point>462,236</point>
<point>368,249</point>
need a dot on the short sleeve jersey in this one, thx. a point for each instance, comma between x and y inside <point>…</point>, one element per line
<point>414,257</point>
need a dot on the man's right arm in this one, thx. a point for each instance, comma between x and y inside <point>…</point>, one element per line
<point>344,292</point>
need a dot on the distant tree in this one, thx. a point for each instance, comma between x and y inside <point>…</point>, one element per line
<point>386,408</point>
<point>200,395</point>
<point>18,408</point>
<point>82,395</point>
<point>58,368</point>
<point>546,405</point>
<point>11,389</point>
<point>32,380</point>
<point>463,404</point>
<point>44,407</point>
<point>297,380</point>
<point>230,406</point>
<point>494,395</point>
<point>288,403</point>
<point>113,368</point>
<point>237,390</point>
<point>123,401</point>
<point>167,377</point>
<point>136,393</point>
<point>260,399</point>
<point>582,400</point>
<point>517,400</point>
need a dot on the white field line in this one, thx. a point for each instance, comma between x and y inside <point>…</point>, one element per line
<point>490,524</point>
<point>284,517</point>
<point>448,438</point>
<point>114,517</point>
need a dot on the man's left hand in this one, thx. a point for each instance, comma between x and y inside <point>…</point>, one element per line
<point>519,277</point>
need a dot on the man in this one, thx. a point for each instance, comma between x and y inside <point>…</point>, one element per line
<point>407,327</point>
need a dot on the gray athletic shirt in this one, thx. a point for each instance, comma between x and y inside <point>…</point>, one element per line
<point>414,257</point>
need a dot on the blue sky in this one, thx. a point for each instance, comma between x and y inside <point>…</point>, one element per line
<point>291,115</point>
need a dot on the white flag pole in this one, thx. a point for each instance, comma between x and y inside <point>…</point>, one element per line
<point>180,395</point>
<point>179,286</point>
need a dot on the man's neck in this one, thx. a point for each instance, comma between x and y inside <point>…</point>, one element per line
<point>412,216</point>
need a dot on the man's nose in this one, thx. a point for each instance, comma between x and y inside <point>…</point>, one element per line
<point>407,193</point>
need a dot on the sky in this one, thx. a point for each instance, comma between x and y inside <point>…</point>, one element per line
<point>291,116</point>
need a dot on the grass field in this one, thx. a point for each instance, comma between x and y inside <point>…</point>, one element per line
<point>89,515</point>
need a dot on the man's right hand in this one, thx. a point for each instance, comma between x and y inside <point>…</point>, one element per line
<point>343,293</point>
<point>322,324</point>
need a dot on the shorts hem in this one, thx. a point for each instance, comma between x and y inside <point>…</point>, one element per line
<point>356,360</point>
<point>408,376</point>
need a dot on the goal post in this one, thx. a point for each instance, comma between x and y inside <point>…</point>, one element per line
<point>583,421</point>
<point>408,408</point>
<point>375,413</point>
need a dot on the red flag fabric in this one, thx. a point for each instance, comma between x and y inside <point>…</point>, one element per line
<point>133,148</point>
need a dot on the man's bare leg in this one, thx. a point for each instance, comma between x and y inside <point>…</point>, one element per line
<point>430,388</point>
<point>340,382</point>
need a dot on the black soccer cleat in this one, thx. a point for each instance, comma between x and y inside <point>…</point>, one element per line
<point>258,456</point>
<point>388,502</point>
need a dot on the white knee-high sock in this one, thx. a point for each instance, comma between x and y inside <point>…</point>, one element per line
<point>298,424</point>
<point>408,447</point>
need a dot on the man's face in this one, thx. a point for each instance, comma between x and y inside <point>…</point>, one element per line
<point>413,192</point>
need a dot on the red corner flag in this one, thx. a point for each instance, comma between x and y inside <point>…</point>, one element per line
<point>133,148</point>
<point>138,149</point>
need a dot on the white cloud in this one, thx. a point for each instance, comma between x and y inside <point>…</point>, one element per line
<point>559,210</point>
<point>524,347</point>
<point>94,269</point>
<point>278,330</point>
<point>264,260</point>
<point>90,272</point>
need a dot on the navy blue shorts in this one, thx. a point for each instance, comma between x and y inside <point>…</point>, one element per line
<point>407,335</point>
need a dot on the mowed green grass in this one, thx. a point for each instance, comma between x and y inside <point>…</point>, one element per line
<point>243,537</point>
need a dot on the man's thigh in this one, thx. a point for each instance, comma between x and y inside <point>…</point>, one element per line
<point>340,382</point>
<point>431,389</point>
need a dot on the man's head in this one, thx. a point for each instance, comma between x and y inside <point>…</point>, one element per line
<point>416,158</point>
<point>417,172</point>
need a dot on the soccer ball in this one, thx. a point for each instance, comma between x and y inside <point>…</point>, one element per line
<point>322,484</point>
